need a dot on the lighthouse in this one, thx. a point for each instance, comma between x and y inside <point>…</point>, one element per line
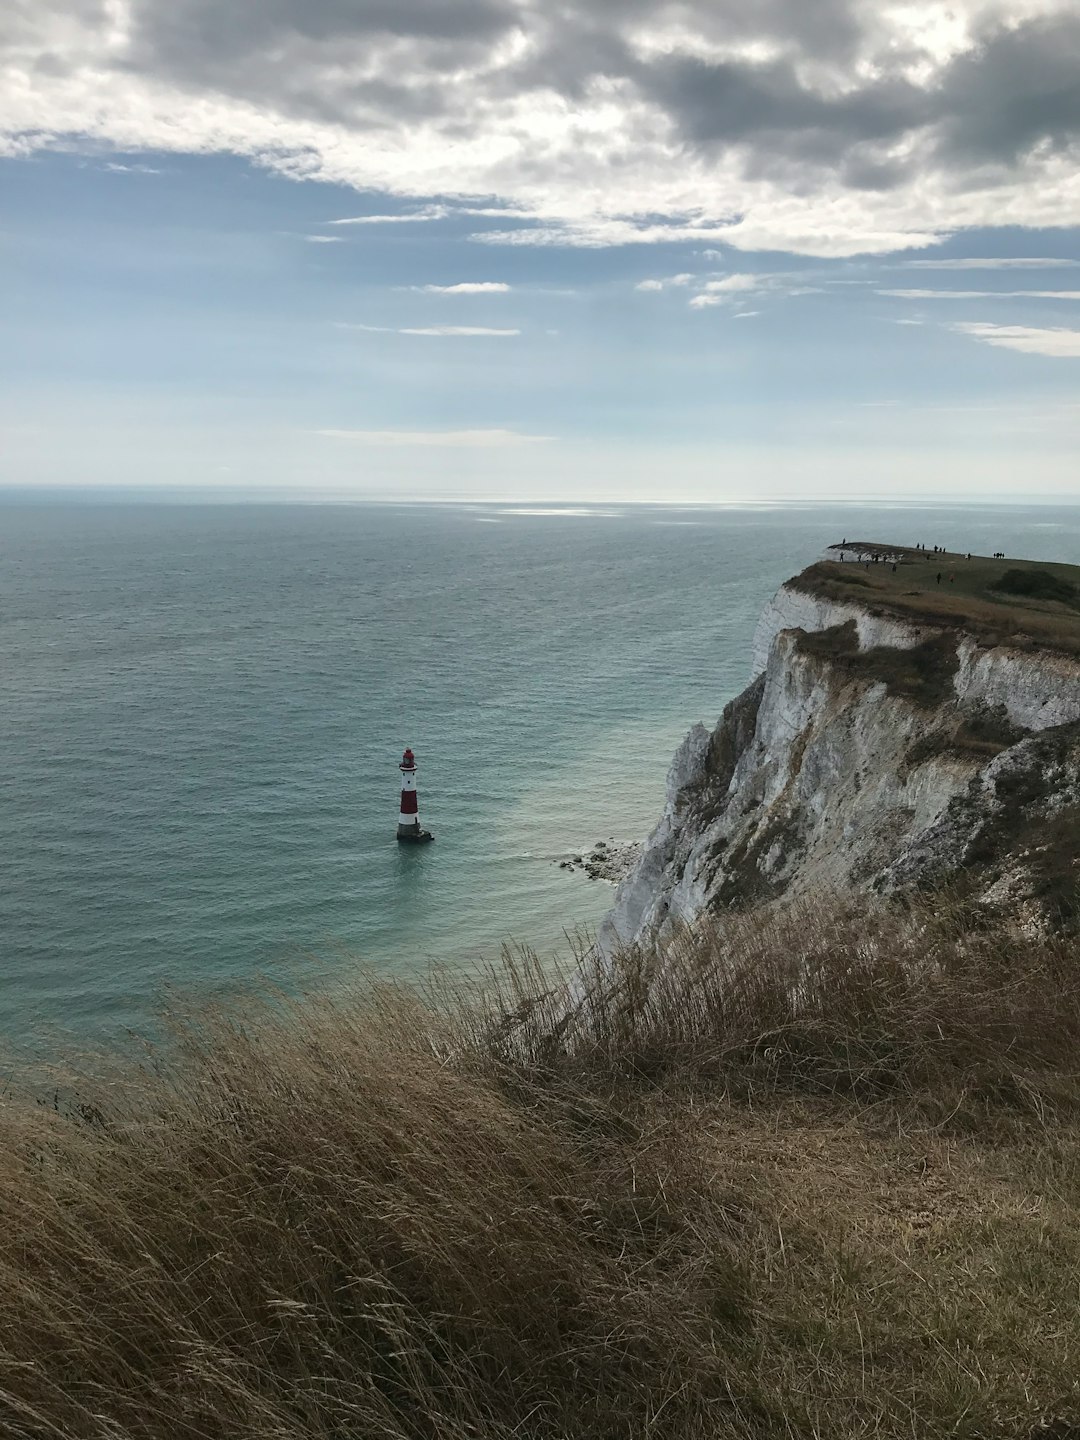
<point>408,830</point>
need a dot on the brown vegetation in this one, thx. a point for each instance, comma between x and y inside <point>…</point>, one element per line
<point>922,673</point>
<point>813,1176</point>
<point>974,735</point>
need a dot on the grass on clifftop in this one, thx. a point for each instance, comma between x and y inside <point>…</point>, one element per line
<point>1002,602</point>
<point>804,1177</point>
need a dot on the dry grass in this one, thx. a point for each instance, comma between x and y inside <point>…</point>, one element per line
<point>801,1177</point>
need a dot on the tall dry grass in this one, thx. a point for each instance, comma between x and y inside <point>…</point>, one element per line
<point>679,1195</point>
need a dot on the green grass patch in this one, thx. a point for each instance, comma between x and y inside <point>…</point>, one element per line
<point>1042,611</point>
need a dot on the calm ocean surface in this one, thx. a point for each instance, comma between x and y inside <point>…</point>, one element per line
<point>204,707</point>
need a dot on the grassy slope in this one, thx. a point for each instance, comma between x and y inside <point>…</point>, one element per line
<point>814,1176</point>
<point>970,598</point>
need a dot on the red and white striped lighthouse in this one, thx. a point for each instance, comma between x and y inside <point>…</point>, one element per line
<point>408,830</point>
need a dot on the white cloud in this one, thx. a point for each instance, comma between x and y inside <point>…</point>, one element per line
<point>730,289</point>
<point>789,227</point>
<point>453,439</point>
<point>438,330</point>
<point>428,213</point>
<point>324,239</point>
<point>678,280</point>
<point>414,217</point>
<point>119,169</point>
<point>745,314</point>
<point>734,283</point>
<point>467,287</point>
<point>982,294</point>
<point>1015,262</point>
<point>738,288</point>
<point>1060,344</point>
<point>458,330</point>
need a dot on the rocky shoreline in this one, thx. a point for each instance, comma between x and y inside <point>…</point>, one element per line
<point>606,860</point>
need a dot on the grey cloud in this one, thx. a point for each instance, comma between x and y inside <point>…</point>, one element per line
<point>581,41</point>
<point>1020,89</point>
<point>826,29</point>
<point>866,169</point>
<point>315,57</point>
<point>24,21</point>
<point>732,102</point>
<point>383,63</point>
<point>196,29</point>
<point>806,98</point>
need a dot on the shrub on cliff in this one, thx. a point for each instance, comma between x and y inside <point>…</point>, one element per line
<point>802,1176</point>
<point>1039,585</point>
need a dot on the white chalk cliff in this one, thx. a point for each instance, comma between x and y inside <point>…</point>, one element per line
<point>867,753</point>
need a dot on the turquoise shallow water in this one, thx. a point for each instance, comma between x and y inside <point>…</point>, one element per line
<point>204,707</point>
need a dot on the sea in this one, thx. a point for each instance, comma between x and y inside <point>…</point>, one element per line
<point>204,706</point>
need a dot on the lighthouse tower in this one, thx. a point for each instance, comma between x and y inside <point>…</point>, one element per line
<point>408,830</point>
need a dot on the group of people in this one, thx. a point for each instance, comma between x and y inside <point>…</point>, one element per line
<point>884,556</point>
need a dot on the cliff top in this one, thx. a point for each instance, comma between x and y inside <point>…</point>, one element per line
<point>1002,601</point>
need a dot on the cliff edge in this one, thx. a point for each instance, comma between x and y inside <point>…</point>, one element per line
<point>913,718</point>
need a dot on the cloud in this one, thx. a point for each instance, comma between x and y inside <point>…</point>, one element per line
<point>831,129</point>
<point>139,169</point>
<point>459,330</point>
<point>745,314</point>
<point>731,283</point>
<point>467,287</point>
<point>452,439</point>
<point>655,285</point>
<point>1012,262</point>
<point>426,214</point>
<point>324,239</point>
<point>982,294</point>
<point>729,289</point>
<point>737,289</point>
<point>414,217</point>
<point>438,330</point>
<point>1060,344</point>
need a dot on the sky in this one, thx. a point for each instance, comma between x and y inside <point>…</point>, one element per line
<point>683,250</point>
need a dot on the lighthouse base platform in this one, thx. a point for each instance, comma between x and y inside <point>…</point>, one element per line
<point>413,835</point>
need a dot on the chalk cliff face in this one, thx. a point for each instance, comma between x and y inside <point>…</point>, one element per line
<point>867,753</point>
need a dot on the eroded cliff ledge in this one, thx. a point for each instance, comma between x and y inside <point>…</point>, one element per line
<point>899,731</point>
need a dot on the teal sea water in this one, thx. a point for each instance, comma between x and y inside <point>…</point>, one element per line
<point>204,707</point>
